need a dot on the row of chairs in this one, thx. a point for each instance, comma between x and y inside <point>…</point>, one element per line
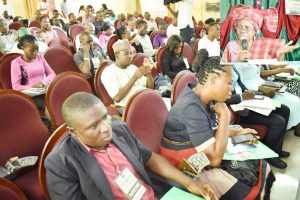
<point>145,114</point>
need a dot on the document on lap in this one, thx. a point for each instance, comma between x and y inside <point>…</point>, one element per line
<point>34,91</point>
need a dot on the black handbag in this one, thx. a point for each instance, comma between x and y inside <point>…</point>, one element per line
<point>245,171</point>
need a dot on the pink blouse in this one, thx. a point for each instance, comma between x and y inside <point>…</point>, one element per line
<point>37,71</point>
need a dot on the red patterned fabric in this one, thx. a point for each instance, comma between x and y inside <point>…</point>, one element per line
<point>255,16</point>
<point>262,48</point>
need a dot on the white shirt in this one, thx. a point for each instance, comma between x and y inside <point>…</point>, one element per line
<point>65,9</point>
<point>185,14</point>
<point>146,44</point>
<point>172,30</point>
<point>43,5</point>
<point>151,25</point>
<point>7,8</point>
<point>213,47</point>
<point>7,41</point>
<point>114,78</point>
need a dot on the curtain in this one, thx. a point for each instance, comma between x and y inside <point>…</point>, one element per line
<point>31,7</point>
<point>288,25</point>
<point>138,6</point>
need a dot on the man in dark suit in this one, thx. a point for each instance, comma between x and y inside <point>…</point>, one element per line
<point>276,122</point>
<point>101,159</point>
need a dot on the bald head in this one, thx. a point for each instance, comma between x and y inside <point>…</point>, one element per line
<point>78,103</point>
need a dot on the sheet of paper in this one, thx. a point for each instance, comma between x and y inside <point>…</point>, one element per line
<point>34,91</point>
<point>175,193</point>
<point>260,152</point>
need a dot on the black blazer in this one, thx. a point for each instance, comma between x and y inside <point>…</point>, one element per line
<point>74,173</point>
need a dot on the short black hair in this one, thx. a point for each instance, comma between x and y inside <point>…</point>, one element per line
<point>209,21</point>
<point>105,26</point>
<point>204,65</point>
<point>140,23</point>
<point>120,31</point>
<point>26,39</point>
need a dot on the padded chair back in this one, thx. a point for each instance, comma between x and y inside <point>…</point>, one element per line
<point>201,24</point>
<point>60,32</point>
<point>99,87</point>
<point>16,18</point>
<point>5,63</point>
<point>159,58</point>
<point>15,25</point>
<point>60,59</point>
<point>196,46</point>
<point>10,191</point>
<point>110,51</point>
<point>152,36</point>
<point>79,18</point>
<point>197,30</point>
<point>138,60</point>
<point>60,42</point>
<point>60,88</point>
<point>145,114</point>
<point>75,30</point>
<point>22,134</point>
<point>35,23</point>
<point>179,83</point>
<point>188,53</point>
<point>50,144</point>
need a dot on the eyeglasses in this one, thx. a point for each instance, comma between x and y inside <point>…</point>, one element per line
<point>246,28</point>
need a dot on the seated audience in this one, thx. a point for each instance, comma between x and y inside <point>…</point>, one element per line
<point>121,20</point>
<point>56,22</point>
<point>89,15</point>
<point>81,11</point>
<point>144,38</point>
<point>276,121</point>
<point>90,28</point>
<point>132,26</point>
<point>89,56</point>
<point>7,38</point>
<point>173,61</point>
<point>86,163</point>
<point>99,21</point>
<point>37,16</point>
<point>207,22</point>
<point>160,38</point>
<point>110,17</point>
<point>199,122</point>
<point>173,29</point>
<point>31,70</point>
<point>124,34</point>
<point>45,33</point>
<point>122,79</point>
<point>6,18</point>
<point>58,16</point>
<point>150,22</point>
<point>106,32</point>
<point>210,41</point>
<point>43,7</point>
<point>6,7</point>
<point>72,21</point>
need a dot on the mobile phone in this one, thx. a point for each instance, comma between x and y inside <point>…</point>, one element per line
<point>242,138</point>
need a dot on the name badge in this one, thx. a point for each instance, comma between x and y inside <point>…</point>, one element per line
<point>130,185</point>
<point>186,62</point>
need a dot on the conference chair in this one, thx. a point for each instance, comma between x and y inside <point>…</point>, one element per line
<point>15,25</point>
<point>60,59</point>
<point>61,42</point>
<point>110,51</point>
<point>188,53</point>
<point>60,88</point>
<point>10,191</point>
<point>53,139</point>
<point>22,134</point>
<point>138,61</point>
<point>5,76</point>
<point>35,23</point>
<point>75,30</point>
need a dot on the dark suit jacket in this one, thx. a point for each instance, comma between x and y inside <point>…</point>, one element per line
<point>74,173</point>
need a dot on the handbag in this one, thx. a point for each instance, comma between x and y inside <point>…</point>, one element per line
<point>245,171</point>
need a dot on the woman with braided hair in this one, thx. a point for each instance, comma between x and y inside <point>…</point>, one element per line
<point>199,122</point>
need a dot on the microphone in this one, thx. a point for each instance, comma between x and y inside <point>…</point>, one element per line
<point>244,44</point>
